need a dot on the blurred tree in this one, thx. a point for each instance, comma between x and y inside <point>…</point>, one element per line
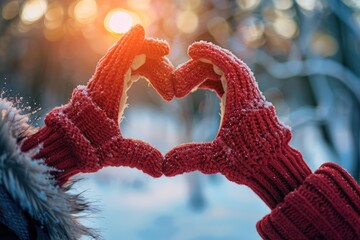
<point>305,54</point>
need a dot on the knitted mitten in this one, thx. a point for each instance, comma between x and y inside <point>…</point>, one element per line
<point>251,146</point>
<point>84,135</point>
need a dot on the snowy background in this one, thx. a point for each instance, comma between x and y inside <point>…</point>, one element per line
<point>190,206</point>
<point>304,54</point>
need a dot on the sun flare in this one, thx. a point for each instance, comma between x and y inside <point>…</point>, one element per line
<point>120,20</point>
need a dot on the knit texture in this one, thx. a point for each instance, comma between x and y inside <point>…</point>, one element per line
<point>251,146</point>
<point>325,206</point>
<point>12,216</point>
<point>84,135</point>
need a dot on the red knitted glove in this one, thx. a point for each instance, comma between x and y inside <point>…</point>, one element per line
<point>84,135</point>
<point>251,146</point>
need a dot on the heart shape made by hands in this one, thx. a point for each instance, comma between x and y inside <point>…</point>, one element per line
<point>84,135</point>
<point>249,134</point>
<point>251,146</point>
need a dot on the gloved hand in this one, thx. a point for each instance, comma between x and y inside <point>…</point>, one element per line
<point>84,135</point>
<point>251,146</point>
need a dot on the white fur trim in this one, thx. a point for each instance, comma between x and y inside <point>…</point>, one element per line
<point>30,184</point>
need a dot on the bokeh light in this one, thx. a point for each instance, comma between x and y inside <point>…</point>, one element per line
<point>352,3</point>
<point>323,44</point>
<point>136,4</point>
<point>252,32</point>
<point>10,10</point>
<point>308,5</point>
<point>304,55</point>
<point>120,20</point>
<point>283,4</point>
<point>285,27</point>
<point>187,21</point>
<point>219,29</point>
<point>33,10</point>
<point>54,16</point>
<point>85,11</point>
<point>248,4</point>
<point>190,4</point>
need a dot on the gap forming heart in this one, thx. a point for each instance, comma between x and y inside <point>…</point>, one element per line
<point>84,135</point>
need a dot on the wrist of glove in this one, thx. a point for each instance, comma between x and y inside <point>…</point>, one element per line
<point>71,137</point>
<point>264,160</point>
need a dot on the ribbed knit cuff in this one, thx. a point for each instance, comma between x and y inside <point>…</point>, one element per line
<point>271,168</point>
<point>325,206</point>
<point>64,152</point>
<point>71,135</point>
<point>283,174</point>
<point>88,117</point>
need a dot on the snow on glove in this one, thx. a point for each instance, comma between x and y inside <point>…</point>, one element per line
<point>251,146</point>
<point>84,135</point>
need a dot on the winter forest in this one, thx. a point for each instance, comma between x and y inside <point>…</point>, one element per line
<point>305,57</point>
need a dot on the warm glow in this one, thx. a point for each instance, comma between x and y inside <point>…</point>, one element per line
<point>54,16</point>
<point>136,4</point>
<point>248,4</point>
<point>10,10</point>
<point>283,4</point>
<point>53,34</point>
<point>252,32</point>
<point>187,21</point>
<point>120,20</point>
<point>323,44</point>
<point>219,29</point>
<point>85,11</point>
<point>285,27</point>
<point>190,4</point>
<point>33,10</point>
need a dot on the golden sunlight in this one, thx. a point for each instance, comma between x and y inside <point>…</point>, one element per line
<point>33,10</point>
<point>85,11</point>
<point>187,21</point>
<point>120,20</point>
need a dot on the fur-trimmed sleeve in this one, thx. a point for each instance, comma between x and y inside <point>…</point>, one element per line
<point>30,185</point>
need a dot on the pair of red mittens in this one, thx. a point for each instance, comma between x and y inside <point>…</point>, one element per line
<point>251,147</point>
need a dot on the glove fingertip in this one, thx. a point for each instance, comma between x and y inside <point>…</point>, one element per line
<point>157,160</point>
<point>199,46</point>
<point>137,30</point>
<point>171,165</point>
<point>155,48</point>
<point>149,159</point>
<point>159,73</point>
<point>189,76</point>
